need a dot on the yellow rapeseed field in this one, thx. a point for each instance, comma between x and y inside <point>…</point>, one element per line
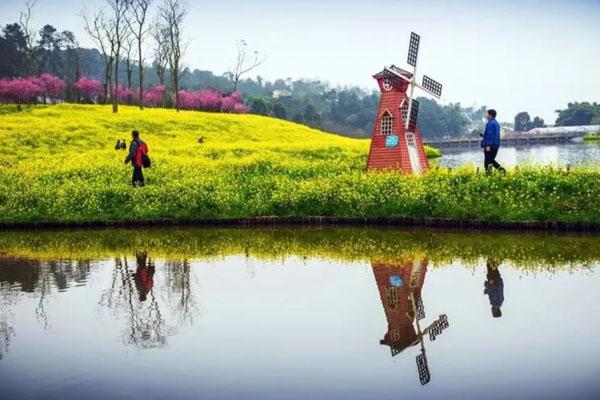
<point>58,164</point>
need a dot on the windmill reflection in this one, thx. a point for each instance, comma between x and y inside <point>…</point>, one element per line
<point>400,283</point>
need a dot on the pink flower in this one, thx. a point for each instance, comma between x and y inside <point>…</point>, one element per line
<point>88,88</point>
<point>154,96</point>
<point>51,85</point>
<point>123,93</point>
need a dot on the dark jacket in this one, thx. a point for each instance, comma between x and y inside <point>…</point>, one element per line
<point>136,149</point>
<point>495,291</point>
<point>491,136</point>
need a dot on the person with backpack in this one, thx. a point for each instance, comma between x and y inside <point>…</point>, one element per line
<point>138,156</point>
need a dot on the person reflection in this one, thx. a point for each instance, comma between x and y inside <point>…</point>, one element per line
<point>494,287</point>
<point>144,275</point>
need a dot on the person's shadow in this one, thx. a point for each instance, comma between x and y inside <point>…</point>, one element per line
<point>494,287</point>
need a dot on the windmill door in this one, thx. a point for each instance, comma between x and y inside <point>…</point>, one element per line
<point>413,154</point>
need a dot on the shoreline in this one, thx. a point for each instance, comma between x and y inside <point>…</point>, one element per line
<point>321,221</point>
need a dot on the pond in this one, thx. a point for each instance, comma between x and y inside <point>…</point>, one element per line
<point>557,155</point>
<point>352,313</point>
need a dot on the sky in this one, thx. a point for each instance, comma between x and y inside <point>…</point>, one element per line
<point>513,56</point>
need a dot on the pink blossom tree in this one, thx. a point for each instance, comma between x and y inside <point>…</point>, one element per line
<point>210,100</point>
<point>233,104</point>
<point>52,86</point>
<point>89,89</point>
<point>122,93</point>
<point>155,95</point>
<point>20,90</point>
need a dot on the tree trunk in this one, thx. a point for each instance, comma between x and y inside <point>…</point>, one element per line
<point>129,75</point>
<point>115,97</point>
<point>77,73</point>
<point>175,79</point>
<point>141,74</point>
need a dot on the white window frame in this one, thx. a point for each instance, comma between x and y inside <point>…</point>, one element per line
<point>386,124</point>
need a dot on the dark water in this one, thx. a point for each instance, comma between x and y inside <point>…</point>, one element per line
<point>556,155</point>
<point>298,314</point>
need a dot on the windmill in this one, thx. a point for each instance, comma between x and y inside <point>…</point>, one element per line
<point>396,143</point>
<point>400,284</point>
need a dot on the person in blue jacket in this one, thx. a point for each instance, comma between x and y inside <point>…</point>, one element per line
<point>491,142</point>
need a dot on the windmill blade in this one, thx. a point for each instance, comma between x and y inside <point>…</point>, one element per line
<point>423,368</point>
<point>432,86</point>
<point>414,114</point>
<point>413,49</point>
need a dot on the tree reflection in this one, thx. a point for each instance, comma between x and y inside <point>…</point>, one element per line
<point>179,290</point>
<point>127,296</point>
<point>39,278</point>
<point>7,332</point>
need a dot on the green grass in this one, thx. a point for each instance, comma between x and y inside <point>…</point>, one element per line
<point>58,165</point>
<point>592,137</point>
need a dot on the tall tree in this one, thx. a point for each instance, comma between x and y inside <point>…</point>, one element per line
<point>137,25</point>
<point>49,46</point>
<point>120,31</point>
<point>98,29</point>
<point>161,50</point>
<point>245,62</point>
<point>128,49</point>
<point>13,49</point>
<point>73,63</point>
<point>578,114</point>
<point>25,22</point>
<point>522,121</point>
<point>172,14</point>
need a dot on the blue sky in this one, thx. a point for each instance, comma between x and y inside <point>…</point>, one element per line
<point>510,55</point>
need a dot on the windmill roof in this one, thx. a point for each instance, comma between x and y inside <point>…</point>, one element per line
<point>393,70</point>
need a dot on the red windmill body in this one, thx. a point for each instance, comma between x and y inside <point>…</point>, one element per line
<point>396,143</point>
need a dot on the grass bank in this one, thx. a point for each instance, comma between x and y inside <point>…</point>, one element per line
<point>591,137</point>
<point>58,165</point>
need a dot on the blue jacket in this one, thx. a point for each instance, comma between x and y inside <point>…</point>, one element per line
<point>491,136</point>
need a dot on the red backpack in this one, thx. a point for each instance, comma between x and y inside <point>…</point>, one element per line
<point>141,156</point>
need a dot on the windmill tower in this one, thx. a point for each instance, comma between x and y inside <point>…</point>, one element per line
<point>400,283</point>
<point>396,142</point>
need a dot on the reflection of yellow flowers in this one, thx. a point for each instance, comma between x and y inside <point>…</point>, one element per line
<point>374,246</point>
<point>58,164</point>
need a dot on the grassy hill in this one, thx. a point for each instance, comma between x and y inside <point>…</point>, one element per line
<point>58,164</point>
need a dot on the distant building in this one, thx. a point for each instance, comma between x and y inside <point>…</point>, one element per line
<point>281,93</point>
<point>566,129</point>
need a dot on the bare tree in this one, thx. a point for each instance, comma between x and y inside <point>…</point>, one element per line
<point>161,51</point>
<point>25,22</point>
<point>98,28</point>
<point>245,62</point>
<point>128,49</point>
<point>120,33</point>
<point>137,25</point>
<point>172,14</point>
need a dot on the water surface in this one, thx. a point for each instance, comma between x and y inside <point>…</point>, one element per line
<point>557,155</point>
<point>298,314</point>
